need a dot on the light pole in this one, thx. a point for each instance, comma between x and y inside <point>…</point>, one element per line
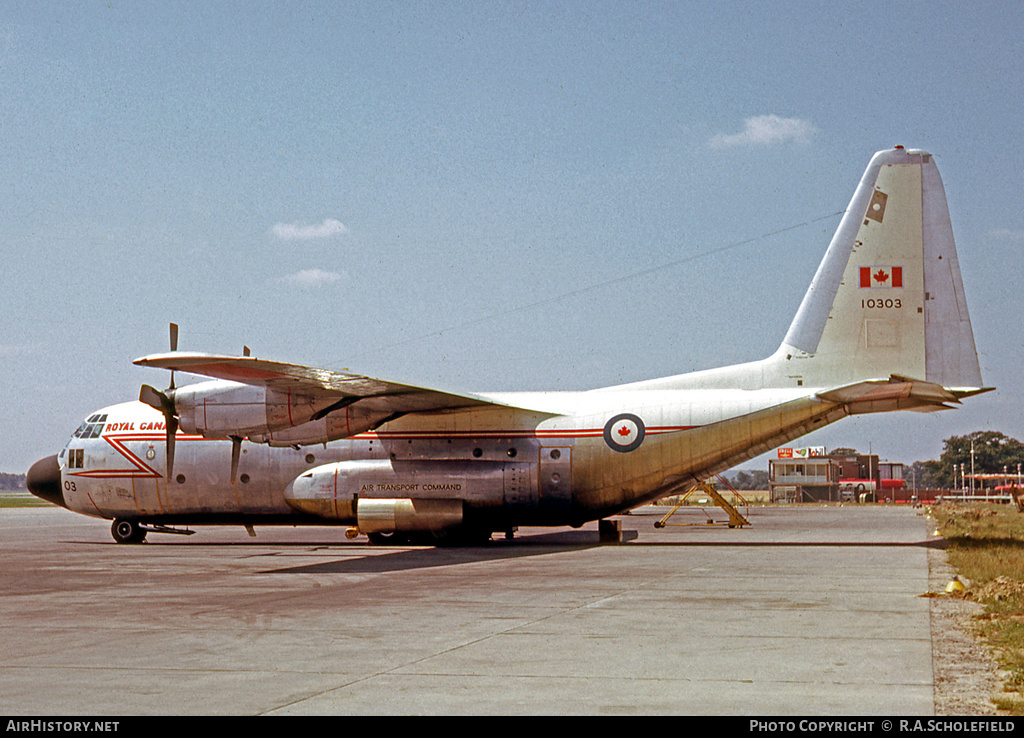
<point>972,467</point>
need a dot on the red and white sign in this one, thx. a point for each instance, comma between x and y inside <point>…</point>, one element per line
<point>786,452</point>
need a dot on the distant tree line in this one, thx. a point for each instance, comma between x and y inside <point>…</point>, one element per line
<point>746,480</point>
<point>12,481</point>
<point>993,453</point>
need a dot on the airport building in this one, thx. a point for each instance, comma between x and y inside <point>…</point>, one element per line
<point>813,475</point>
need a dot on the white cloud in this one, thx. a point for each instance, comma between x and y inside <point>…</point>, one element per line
<point>296,232</point>
<point>766,130</point>
<point>311,278</point>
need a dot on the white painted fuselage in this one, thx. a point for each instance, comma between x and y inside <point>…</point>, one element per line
<point>498,460</point>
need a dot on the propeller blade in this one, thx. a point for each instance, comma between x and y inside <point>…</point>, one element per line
<point>156,399</point>
<point>174,347</point>
<point>236,451</point>
<point>164,402</point>
<point>172,430</point>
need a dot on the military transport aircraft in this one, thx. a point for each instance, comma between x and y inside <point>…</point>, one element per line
<point>883,327</point>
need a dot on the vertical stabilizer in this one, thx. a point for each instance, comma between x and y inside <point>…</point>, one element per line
<point>888,297</point>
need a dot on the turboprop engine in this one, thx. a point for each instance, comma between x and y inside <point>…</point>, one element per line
<point>385,496</point>
<point>351,491</point>
<point>220,409</point>
<point>223,409</point>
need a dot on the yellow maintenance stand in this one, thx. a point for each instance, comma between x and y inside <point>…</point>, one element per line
<point>736,520</point>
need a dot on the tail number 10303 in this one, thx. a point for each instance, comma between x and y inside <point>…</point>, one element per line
<point>881,304</point>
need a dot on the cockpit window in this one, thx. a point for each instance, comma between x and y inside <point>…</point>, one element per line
<point>76,458</point>
<point>92,427</point>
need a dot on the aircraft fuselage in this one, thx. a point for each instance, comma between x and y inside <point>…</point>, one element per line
<point>502,466</point>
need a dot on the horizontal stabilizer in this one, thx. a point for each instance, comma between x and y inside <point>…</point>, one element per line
<point>895,393</point>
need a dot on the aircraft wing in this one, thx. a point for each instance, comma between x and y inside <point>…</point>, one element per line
<point>320,383</point>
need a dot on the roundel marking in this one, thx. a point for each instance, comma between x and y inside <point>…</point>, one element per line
<point>624,433</point>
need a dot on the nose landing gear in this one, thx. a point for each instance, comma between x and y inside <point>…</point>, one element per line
<point>128,531</point>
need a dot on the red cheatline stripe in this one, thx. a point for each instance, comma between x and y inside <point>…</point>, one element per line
<point>144,470</point>
<point>584,433</point>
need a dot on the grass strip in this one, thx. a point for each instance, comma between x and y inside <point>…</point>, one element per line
<point>985,545</point>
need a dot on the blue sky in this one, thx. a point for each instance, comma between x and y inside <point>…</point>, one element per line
<point>479,196</point>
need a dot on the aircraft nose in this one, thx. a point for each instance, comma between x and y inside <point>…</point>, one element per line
<point>43,480</point>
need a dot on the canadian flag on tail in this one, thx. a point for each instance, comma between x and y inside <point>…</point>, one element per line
<point>884,277</point>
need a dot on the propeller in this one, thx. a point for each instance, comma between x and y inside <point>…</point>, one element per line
<point>164,402</point>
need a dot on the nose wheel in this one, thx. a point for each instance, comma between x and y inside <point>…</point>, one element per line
<point>127,531</point>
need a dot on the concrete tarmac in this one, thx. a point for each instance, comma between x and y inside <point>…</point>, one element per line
<point>810,611</point>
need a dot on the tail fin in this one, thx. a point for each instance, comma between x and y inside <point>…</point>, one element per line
<point>887,301</point>
<point>888,298</point>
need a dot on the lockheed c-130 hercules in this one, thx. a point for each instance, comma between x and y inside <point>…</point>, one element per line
<point>883,327</point>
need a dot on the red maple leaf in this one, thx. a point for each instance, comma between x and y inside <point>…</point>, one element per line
<point>881,276</point>
<point>624,431</point>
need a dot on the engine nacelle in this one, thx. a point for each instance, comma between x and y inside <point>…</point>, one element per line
<point>221,409</point>
<point>316,492</point>
<point>388,495</point>
<point>342,423</point>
